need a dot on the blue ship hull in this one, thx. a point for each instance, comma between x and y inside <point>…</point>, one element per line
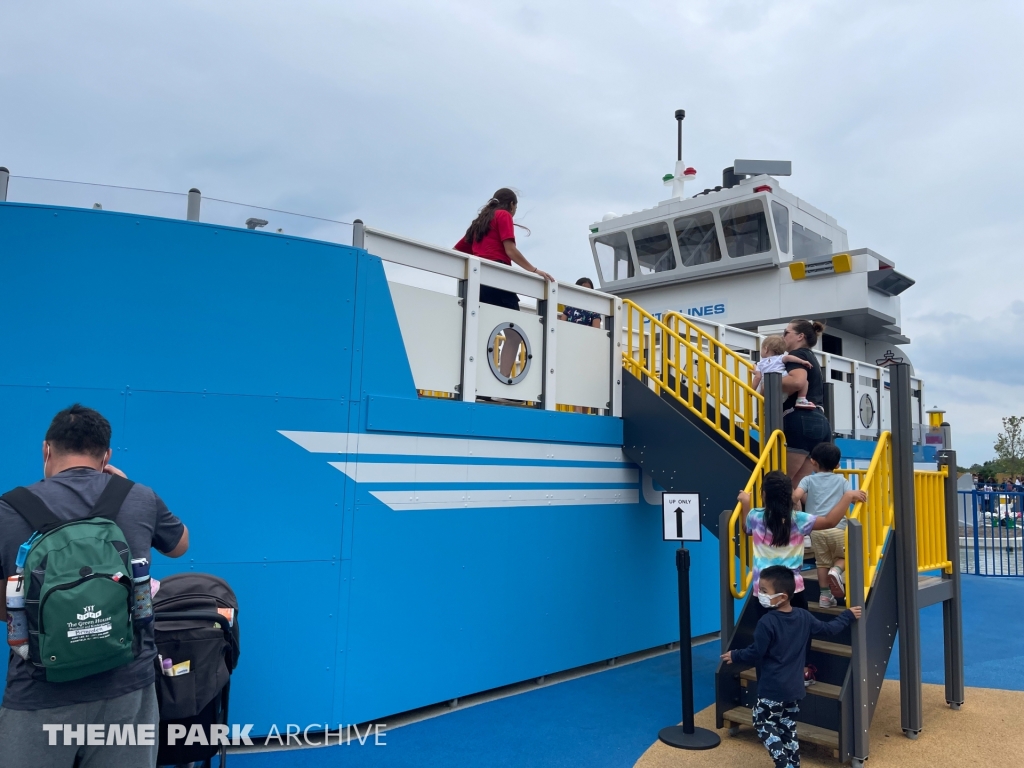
<point>389,552</point>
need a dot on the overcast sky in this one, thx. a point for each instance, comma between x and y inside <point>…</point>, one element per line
<point>903,120</point>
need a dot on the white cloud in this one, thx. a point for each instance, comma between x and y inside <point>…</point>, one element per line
<point>973,366</point>
<point>902,120</point>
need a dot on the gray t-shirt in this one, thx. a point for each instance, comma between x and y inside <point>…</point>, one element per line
<point>145,521</point>
<point>824,490</point>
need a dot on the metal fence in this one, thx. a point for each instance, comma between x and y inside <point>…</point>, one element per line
<point>990,524</point>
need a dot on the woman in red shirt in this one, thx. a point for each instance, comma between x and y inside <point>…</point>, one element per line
<point>492,236</point>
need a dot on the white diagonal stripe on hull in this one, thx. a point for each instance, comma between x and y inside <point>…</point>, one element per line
<point>373,472</point>
<point>401,501</point>
<point>412,445</point>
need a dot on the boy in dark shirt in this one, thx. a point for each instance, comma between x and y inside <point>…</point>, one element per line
<point>779,652</point>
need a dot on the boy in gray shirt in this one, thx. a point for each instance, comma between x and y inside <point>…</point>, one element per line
<point>819,492</point>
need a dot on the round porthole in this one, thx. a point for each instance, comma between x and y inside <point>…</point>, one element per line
<point>867,411</point>
<point>509,348</point>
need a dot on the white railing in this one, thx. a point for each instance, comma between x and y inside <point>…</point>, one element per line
<point>452,341</point>
<point>189,205</point>
<point>852,380</point>
<point>446,347</point>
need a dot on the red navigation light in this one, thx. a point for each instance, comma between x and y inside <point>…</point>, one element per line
<point>763,188</point>
<point>690,172</point>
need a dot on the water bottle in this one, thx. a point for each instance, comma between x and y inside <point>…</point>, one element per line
<point>17,619</point>
<point>142,609</point>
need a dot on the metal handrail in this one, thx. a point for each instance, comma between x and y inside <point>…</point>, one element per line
<point>851,473</point>
<point>930,503</point>
<point>741,366</point>
<point>741,544</point>
<point>673,358</point>
<point>875,515</point>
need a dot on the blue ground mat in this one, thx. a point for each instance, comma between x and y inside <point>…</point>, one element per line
<point>604,719</point>
<point>993,632</point>
<point>607,720</point>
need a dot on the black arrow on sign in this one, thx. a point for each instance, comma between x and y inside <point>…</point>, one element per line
<point>679,522</point>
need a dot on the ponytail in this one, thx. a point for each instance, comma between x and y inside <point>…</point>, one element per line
<point>777,493</point>
<point>810,330</point>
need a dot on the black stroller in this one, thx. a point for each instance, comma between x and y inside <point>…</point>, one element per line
<point>196,621</point>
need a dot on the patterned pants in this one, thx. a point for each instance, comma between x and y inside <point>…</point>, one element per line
<point>775,723</point>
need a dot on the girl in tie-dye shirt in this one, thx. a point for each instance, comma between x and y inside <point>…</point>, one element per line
<point>778,530</point>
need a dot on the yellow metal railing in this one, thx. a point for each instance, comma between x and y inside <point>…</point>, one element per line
<point>741,544</point>
<point>670,361</point>
<point>729,359</point>
<point>853,474</point>
<point>930,503</point>
<point>876,514</point>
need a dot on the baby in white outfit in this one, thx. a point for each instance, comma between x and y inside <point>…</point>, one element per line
<point>773,360</point>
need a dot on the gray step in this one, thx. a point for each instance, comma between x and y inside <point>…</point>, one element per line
<point>835,649</point>
<point>831,611</point>
<point>825,690</point>
<point>812,734</point>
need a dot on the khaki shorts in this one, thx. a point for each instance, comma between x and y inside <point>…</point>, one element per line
<point>829,545</point>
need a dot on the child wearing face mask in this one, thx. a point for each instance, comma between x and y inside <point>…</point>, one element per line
<point>779,653</point>
<point>778,532</point>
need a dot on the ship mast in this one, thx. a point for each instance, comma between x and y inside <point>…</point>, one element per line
<point>682,174</point>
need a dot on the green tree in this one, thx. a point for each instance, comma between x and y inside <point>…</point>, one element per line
<point>1009,444</point>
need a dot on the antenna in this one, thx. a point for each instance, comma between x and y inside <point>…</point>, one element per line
<point>683,173</point>
<point>680,114</point>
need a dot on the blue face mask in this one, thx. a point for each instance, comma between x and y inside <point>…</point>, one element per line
<point>766,600</point>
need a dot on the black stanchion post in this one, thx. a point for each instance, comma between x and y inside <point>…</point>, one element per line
<point>686,736</point>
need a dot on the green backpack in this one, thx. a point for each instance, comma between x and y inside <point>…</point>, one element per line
<point>80,594</point>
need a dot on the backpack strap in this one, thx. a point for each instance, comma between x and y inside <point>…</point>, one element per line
<point>113,496</point>
<point>32,509</point>
<point>39,517</point>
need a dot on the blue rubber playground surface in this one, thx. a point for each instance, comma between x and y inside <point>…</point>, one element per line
<point>608,719</point>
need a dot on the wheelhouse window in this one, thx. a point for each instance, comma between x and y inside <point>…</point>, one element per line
<point>654,248</point>
<point>698,239</point>
<point>745,227</point>
<point>613,256</point>
<point>808,244</point>
<point>781,215</point>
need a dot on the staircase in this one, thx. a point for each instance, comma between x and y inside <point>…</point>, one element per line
<point>826,714</point>
<point>690,418</point>
<point>692,422</point>
<point>838,708</point>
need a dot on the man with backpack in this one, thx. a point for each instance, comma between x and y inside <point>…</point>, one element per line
<point>81,686</point>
